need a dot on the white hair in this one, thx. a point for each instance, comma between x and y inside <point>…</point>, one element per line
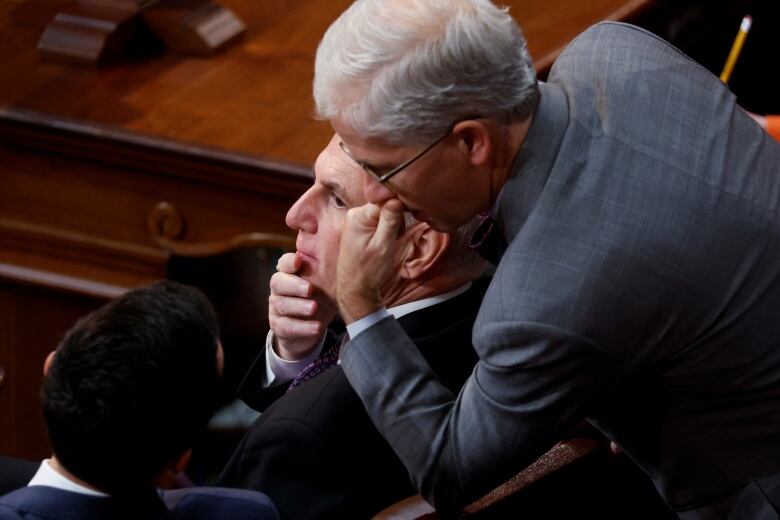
<point>405,70</point>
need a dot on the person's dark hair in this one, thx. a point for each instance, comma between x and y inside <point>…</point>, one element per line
<point>131,385</point>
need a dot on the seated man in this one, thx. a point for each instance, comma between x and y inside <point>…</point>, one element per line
<point>314,451</point>
<point>124,395</point>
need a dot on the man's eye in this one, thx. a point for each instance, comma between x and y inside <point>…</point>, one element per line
<point>337,201</point>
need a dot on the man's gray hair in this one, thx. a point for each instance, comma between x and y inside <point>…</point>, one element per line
<point>404,71</point>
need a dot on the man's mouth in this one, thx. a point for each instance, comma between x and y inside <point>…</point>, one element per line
<point>305,256</point>
<point>308,263</point>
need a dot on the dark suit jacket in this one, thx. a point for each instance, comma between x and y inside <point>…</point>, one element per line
<point>259,397</point>
<point>315,451</point>
<point>47,503</point>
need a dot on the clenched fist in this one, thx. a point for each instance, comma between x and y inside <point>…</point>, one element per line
<point>368,257</point>
<point>297,319</point>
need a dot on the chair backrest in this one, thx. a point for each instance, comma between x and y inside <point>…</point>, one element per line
<point>235,277</point>
<point>15,473</point>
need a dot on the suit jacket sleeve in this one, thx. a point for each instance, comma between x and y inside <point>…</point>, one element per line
<point>252,389</point>
<point>458,448</point>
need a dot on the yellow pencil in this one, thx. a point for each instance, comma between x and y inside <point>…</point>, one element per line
<point>739,41</point>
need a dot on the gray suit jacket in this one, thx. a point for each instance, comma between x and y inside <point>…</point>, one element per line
<point>640,289</point>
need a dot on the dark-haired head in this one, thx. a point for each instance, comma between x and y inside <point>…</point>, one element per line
<point>131,385</point>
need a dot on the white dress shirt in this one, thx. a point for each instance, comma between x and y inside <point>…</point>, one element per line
<point>278,370</point>
<point>365,322</point>
<point>48,476</point>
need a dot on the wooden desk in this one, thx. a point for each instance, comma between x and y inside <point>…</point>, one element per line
<point>254,98</point>
<point>100,169</point>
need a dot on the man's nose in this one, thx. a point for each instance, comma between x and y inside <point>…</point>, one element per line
<point>299,216</point>
<point>374,191</point>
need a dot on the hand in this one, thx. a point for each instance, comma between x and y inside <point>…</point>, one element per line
<point>296,318</point>
<point>368,257</point>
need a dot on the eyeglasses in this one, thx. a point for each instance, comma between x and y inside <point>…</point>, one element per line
<point>384,177</point>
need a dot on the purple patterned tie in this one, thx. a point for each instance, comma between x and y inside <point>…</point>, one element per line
<point>327,360</point>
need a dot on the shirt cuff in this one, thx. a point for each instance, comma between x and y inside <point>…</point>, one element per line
<point>278,370</point>
<point>355,328</point>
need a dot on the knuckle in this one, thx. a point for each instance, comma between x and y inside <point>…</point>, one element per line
<point>286,329</point>
<point>273,322</point>
<point>275,282</point>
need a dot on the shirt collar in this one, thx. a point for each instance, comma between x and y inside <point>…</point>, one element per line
<point>406,308</point>
<point>48,476</point>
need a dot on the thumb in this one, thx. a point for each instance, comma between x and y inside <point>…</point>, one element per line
<point>289,263</point>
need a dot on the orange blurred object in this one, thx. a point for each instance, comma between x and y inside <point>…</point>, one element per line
<point>773,126</point>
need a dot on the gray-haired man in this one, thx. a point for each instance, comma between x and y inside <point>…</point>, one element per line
<point>641,282</point>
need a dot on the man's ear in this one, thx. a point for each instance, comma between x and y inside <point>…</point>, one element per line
<point>475,140</point>
<point>172,475</point>
<point>424,248</point>
<point>47,362</point>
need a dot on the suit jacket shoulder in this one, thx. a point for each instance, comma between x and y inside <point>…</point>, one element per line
<point>209,503</point>
<point>47,503</point>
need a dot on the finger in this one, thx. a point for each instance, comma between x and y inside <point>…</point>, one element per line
<point>291,285</point>
<point>289,263</point>
<point>390,222</point>
<point>294,307</point>
<point>286,328</point>
<point>365,218</point>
